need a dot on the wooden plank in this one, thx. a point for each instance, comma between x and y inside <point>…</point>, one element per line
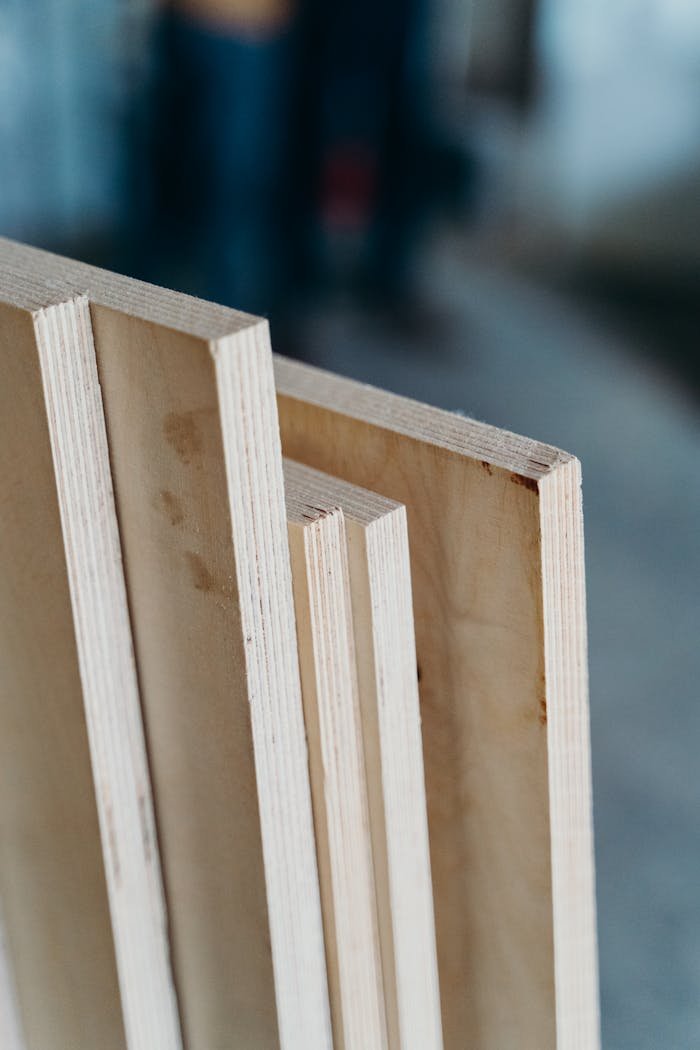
<point>325,636</point>
<point>191,415</point>
<point>52,880</point>
<point>495,528</point>
<point>380,589</point>
<point>108,674</point>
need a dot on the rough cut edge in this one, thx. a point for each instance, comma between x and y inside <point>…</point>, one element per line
<point>569,762</point>
<point>11,1034</point>
<point>499,448</point>
<point>108,674</point>
<point>256,499</point>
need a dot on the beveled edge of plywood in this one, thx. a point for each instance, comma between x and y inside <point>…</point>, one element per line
<point>523,456</point>
<point>39,278</point>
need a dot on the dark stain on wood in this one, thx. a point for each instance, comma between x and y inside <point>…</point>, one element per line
<point>202,579</point>
<point>182,434</point>
<point>487,466</point>
<point>527,483</point>
<point>172,507</point>
<point>543,712</point>
<point>419,673</point>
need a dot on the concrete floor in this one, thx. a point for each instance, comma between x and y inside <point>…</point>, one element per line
<point>508,351</point>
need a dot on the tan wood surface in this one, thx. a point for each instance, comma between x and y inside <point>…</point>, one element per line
<point>191,417</point>
<point>108,674</point>
<point>495,530</point>
<point>379,582</point>
<point>52,880</point>
<point>318,549</point>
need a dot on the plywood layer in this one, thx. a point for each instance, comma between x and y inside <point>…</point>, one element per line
<point>52,878</point>
<point>379,584</point>
<point>326,642</point>
<point>495,531</point>
<point>191,417</point>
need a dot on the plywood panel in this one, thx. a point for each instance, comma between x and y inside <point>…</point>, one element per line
<point>52,880</point>
<point>323,603</point>
<point>495,530</point>
<point>194,446</point>
<point>379,584</point>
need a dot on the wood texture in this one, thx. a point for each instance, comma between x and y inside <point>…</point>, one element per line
<point>11,1034</point>
<point>52,880</point>
<point>495,528</point>
<point>191,416</point>
<point>318,549</point>
<point>108,674</point>
<point>379,585</point>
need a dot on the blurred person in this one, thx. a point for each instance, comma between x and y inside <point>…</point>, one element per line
<point>211,169</point>
<point>290,148</point>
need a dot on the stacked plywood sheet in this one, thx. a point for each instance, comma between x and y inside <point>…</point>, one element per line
<point>291,755</point>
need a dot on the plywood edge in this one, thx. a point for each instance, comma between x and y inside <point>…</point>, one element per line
<point>333,721</point>
<point>357,503</point>
<point>46,277</point>
<point>379,567</point>
<point>495,448</point>
<point>569,762</point>
<point>403,782</point>
<point>258,520</point>
<point>108,674</point>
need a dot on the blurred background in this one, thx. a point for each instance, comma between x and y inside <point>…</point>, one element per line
<point>493,205</point>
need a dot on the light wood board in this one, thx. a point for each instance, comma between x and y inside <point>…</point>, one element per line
<point>108,674</point>
<point>191,417</point>
<point>318,550</point>
<point>382,628</point>
<point>52,879</point>
<point>495,529</point>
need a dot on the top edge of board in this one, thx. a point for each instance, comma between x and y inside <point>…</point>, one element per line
<point>525,457</point>
<point>323,491</point>
<point>33,279</point>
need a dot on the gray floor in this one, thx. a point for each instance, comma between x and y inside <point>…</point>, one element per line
<point>514,354</point>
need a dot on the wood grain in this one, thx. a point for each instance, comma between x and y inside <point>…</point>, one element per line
<point>52,879</point>
<point>495,531</point>
<point>108,674</point>
<point>318,549</point>
<point>379,584</point>
<point>196,465</point>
